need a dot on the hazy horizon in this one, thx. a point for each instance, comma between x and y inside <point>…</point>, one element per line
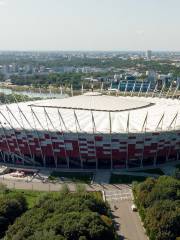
<point>100,51</point>
<point>89,25</point>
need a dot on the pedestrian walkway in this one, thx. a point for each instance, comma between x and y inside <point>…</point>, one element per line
<point>117,195</point>
<point>127,222</point>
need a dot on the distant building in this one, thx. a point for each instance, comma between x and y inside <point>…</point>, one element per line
<point>149,54</point>
<point>151,76</point>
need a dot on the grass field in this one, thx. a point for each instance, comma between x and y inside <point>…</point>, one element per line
<point>33,196</point>
<point>73,176</point>
<point>125,179</point>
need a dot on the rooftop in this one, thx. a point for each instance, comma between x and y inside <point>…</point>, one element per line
<point>96,102</point>
<point>87,114</point>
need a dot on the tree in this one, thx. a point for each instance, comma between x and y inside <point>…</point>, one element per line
<point>158,203</point>
<point>64,216</point>
<point>163,220</point>
<point>12,205</point>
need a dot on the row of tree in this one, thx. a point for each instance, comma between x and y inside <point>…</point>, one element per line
<point>158,201</point>
<point>11,98</point>
<point>55,79</point>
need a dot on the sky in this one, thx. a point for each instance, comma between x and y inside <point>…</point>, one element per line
<point>104,25</point>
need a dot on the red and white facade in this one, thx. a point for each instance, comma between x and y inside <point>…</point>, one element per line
<point>91,131</point>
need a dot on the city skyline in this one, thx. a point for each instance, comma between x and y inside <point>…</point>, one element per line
<point>84,25</point>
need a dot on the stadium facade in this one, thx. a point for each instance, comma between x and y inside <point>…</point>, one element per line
<point>91,131</point>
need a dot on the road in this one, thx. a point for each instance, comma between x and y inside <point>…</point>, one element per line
<point>129,226</point>
<point>38,185</point>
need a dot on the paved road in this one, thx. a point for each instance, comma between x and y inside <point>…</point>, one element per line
<point>128,223</point>
<point>129,226</point>
<point>120,194</point>
<point>40,186</point>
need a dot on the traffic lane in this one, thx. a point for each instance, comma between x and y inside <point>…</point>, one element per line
<point>128,222</point>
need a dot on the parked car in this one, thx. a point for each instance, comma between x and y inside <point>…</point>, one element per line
<point>134,208</point>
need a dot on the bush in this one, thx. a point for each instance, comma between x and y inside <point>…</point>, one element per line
<point>64,189</point>
<point>80,188</point>
<point>3,188</point>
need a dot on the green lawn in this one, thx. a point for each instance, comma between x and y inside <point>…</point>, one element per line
<point>32,196</point>
<point>73,176</point>
<point>126,179</point>
<point>152,171</point>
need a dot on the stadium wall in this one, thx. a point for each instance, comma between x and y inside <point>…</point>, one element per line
<point>93,151</point>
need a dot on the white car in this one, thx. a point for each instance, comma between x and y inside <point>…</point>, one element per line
<point>134,208</point>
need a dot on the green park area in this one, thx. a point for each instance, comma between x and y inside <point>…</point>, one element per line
<point>30,215</point>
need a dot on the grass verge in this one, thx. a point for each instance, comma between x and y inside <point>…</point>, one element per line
<point>73,176</point>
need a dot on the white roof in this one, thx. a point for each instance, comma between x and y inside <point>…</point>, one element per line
<point>65,114</point>
<point>95,102</point>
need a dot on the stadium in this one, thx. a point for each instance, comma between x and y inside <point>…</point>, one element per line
<point>91,131</point>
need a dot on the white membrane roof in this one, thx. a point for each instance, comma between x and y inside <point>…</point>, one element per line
<point>128,114</point>
<point>96,103</point>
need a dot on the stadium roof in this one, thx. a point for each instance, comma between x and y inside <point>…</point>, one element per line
<point>91,114</point>
<point>95,103</point>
